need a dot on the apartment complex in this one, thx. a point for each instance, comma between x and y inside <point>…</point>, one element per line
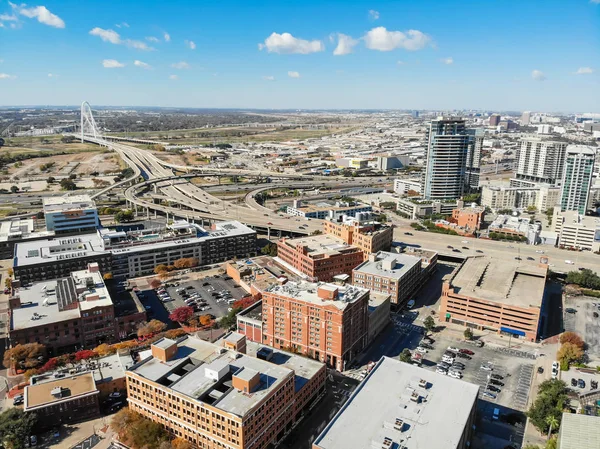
<point>133,253</point>
<point>469,218</point>
<point>19,230</point>
<point>319,257</point>
<point>576,231</point>
<point>577,178</point>
<point>326,322</point>
<point>404,186</point>
<point>539,161</point>
<point>542,197</point>
<point>484,293</point>
<point>323,210</point>
<point>446,159</point>
<point>68,313</point>
<point>76,213</point>
<point>398,275</point>
<point>417,207</point>
<point>215,397</point>
<point>362,231</point>
<point>400,405</point>
<point>473,161</point>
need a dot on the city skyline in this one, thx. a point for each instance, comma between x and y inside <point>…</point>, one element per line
<point>367,55</point>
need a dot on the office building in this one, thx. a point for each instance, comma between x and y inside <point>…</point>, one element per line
<point>132,253</point>
<point>539,161</point>
<point>319,257</point>
<point>511,226</point>
<point>351,162</point>
<point>400,405</point>
<point>418,207</point>
<point>469,218</point>
<point>76,213</point>
<point>66,400</point>
<point>213,397</point>
<point>576,231</point>
<point>362,231</point>
<point>71,312</point>
<point>447,148</point>
<point>407,186</point>
<point>19,230</point>
<point>540,196</point>
<point>525,118</point>
<point>578,431</point>
<point>414,114</point>
<point>488,294</point>
<point>495,119</point>
<point>392,162</point>
<point>577,178</point>
<point>473,161</point>
<point>325,322</point>
<point>398,275</point>
<point>323,210</point>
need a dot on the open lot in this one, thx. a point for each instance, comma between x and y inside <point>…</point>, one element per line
<point>584,323</point>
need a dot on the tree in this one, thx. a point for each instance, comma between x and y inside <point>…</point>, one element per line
<point>270,249</point>
<point>10,272</point>
<point>553,423</point>
<point>182,314</point>
<point>429,323</point>
<point>138,432</point>
<point>551,400</point>
<point>244,302</point>
<point>468,333</point>
<point>155,283</point>
<point>151,328</point>
<point>161,269</point>
<point>104,350</point>
<point>180,443</point>
<point>50,179</point>
<point>84,354</point>
<point>67,139</point>
<point>205,320</point>
<point>572,337</point>
<point>124,216</point>
<point>405,355</point>
<point>67,184</point>
<point>16,426</point>
<point>14,189</point>
<point>50,365</point>
<point>584,278</point>
<point>569,353</point>
<point>29,355</point>
<point>107,276</point>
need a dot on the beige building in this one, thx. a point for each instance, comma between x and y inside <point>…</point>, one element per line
<point>576,231</point>
<point>541,197</point>
<point>361,231</point>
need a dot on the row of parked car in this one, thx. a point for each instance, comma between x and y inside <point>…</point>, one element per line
<point>450,365</point>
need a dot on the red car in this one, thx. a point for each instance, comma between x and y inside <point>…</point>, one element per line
<point>269,223</point>
<point>466,351</point>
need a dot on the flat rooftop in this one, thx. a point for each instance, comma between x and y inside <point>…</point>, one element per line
<point>307,292</point>
<point>54,204</point>
<point>58,249</point>
<point>375,409</point>
<point>71,387</point>
<point>505,281</point>
<point>318,207</point>
<point>203,371</point>
<point>324,244</point>
<point>390,265</point>
<point>579,431</point>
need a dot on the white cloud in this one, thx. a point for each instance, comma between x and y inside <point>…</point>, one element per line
<point>400,62</point>
<point>180,65</point>
<point>447,61</point>
<point>167,37</point>
<point>106,35</point>
<point>122,24</point>
<point>538,76</point>
<point>191,45</point>
<point>595,1</point>
<point>268,78</point>
<point>8,18</point>
<point>345,45</point>
<point>383,40</point>
<point>138,45</point>
<point>286,44</point>
<point>6,76</point>
<point>373,15</point>
<point>293,74</point>
<point>112,64</point>
<point>42,15</point>
<point>141,64</point>
<point>585,70</point>
<point>52,75</point>
<point>173,77</point>
<point>152,39</point>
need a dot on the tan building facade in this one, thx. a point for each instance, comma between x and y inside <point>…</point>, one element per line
<point>367,235</point>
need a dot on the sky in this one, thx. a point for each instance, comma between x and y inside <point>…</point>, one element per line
<point>315,54</point>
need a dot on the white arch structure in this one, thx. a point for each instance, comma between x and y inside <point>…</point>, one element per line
<point>88,124</point>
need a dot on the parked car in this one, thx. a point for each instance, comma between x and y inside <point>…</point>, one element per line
<point>458,365</point>
<point>464,356</point>
<point>443,365</point>
<point>571,310</point>
<point>540,370</point>
<point>115,395</point>
<point>466,351</point>
<point>410,304</point>
<point>573,382</point>
<point>594,384</point>
<point>441,371</point>
<point>486,368</point>
<point>453,349</point>
<point>493,388</point>
<point>555,367</point>
<point>489,395</point>
<point>496,382</point>
<point>421,349</point>
<point>18,399</point>
<point>497,376</point>
<point>429,340</point>
<point>581,383</point>
<point>455,374</point>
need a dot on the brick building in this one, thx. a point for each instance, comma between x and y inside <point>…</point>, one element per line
<point>362,231</point>
<point>504,297</point>
<point>325,322</point>
<point>319,257</point>
<point>218,398</point>
<point>469,218</point>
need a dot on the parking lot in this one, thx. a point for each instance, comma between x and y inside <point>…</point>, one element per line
<point>584,323</point>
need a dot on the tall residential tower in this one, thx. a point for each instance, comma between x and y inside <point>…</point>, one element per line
<point>539,161</point>
<point>577,178</point>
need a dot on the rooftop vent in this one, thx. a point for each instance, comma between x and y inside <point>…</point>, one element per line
<point>423,383</point>
<point>387,443</point>
<point>399,424</point>
<point>414,396</point>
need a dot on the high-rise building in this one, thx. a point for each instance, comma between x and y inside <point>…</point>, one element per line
<point>539,161</point>
<point>473,163</point>
<point>447,148</point>
<point>415,114</point>
<point>577,178</point>
<point>494,120</point>
<point>525,118</point>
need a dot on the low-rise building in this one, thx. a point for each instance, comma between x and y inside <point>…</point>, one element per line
<point>361,231</point>
<point>576,231</point>
<point>404,186</point>
<point>488,294</point>
<point>258,273</point>
<point>214,397</point>
<point>326,322</point>
<point>351,162</point>
<point>319,257</point>
<point>398,275</point>
<point>323,210</point>
<point>392,162</point>
<point>469,218</point>
<point>511,226</point>
<point>19,230</point>
<point>63,401</point>
<point>75,213</point>
<point>415,208</point>
<point>578,431</point>
<point>400,405</point>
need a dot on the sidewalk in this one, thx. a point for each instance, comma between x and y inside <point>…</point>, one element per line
<point>71,435</point>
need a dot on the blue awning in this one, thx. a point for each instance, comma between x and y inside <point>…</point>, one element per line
<point>512,331</point>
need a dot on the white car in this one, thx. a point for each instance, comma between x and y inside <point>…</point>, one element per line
<point>441,371</point>
<point>455,374</point>
<point>421,350</point>
<point>452,348</point>
<point>486,368</point>
<point>555,368</point>
<point>570,262</point>
<point>410,304</point>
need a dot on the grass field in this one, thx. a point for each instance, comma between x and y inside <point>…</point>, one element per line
<point>16,145</point>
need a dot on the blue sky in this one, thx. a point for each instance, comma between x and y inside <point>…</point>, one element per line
<point>425,54</point>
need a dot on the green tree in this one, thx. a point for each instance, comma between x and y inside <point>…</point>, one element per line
<point>67,184</point>
<point>405,355</point>
<point>429,323</point>
<point>16,426</point>
<point>270,249</point>
<point>551,400</point>
<point>67,139</point>
<point>124,216</point>
<point>50,179</point>
<point>553,423</point>
<point>584,278</point>
<point>14,189</point>
<point>468,334</point>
